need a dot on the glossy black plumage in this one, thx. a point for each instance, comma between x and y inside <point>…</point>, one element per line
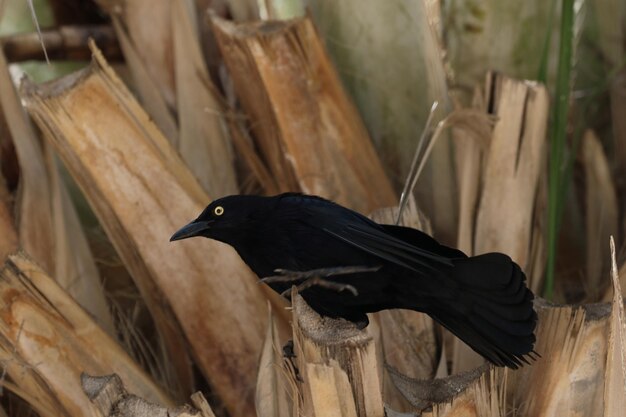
<point>483,299</point>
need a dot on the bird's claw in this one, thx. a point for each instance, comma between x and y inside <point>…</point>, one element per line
<point>285,275</point>
<point>323,283</point>
<point>315,278</point>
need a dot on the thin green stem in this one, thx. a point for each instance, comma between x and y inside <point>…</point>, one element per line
<point>557,137</point>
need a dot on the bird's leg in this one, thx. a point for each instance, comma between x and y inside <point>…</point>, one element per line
<point>315,278</point>
<point>318,281</point>
<point>284,275</point>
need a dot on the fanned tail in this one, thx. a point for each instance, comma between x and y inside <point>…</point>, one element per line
<point>493,312</point>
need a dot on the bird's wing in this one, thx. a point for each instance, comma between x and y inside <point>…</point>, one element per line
<point>422,240</point>
<point>374,240</point>
<point>360,232</point>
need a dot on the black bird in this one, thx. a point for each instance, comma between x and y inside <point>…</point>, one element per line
<point>481,299</point>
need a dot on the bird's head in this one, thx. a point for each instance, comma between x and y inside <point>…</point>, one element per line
<point>224,219</point>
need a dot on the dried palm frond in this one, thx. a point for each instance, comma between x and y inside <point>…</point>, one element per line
<point>34,219</point>
<point>110,397</point>
<point>140,190</point>
<point>338,364</point>
<point>148,91</point>
<point>281,72</point>
<point>47,222</point>
<point>601,214</point>
<point>47,340</point>
<point>204,142</point>
<point>514,161</point>
<point>615,377</point>
<point>275,382</point>
<point>148,26</point>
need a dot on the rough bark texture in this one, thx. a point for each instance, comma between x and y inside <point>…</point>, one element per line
<point>149,26</point>
<point>339,365</point>
<point>513,164</point>
<point>306,128</point>
<point>109,396</point>
<point>204,142</point>
<point>47,340</point>
<point>142,192</point>
<point>33,218</point>
<point>615,378</point>
<point>572,342</point>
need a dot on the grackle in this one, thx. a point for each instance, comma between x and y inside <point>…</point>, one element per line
<point>482,299</point>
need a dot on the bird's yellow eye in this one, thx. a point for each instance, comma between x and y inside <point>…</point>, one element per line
<point>219,210</point>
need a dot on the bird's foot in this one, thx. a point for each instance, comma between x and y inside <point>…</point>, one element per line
<point>315,278</point>
<point>285,275</point>
<point>323,283</point>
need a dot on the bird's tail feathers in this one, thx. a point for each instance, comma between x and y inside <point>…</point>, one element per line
<point>493,311</point>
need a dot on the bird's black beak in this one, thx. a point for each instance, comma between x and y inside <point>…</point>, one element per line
<point>194,228</point>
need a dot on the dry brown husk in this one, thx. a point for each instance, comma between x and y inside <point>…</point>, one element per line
<point>281,72</point>
<point>338,365</point>
<point>75,266</point>
<point>149,94</point>
<point>204,141</point>
<point>621,273</point>
<point>142,192</point>
<point>34,218</point>
<point>47,222</point>
<point>580,357</point>
<point>499,211</point>
<point>47,340</point>
<point>275,382</point>
<point>153,41</point>
<point>513,163</point>
<point>473,393</point>
<point>335,367</point>
<point>567,380</point>
<point>601,215</point>
<point>615,377</point>
<point>582,369</point>
<point>200,132</point>
<point>248,154</point>
<point>470,150</point>
<point>111,398</point>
